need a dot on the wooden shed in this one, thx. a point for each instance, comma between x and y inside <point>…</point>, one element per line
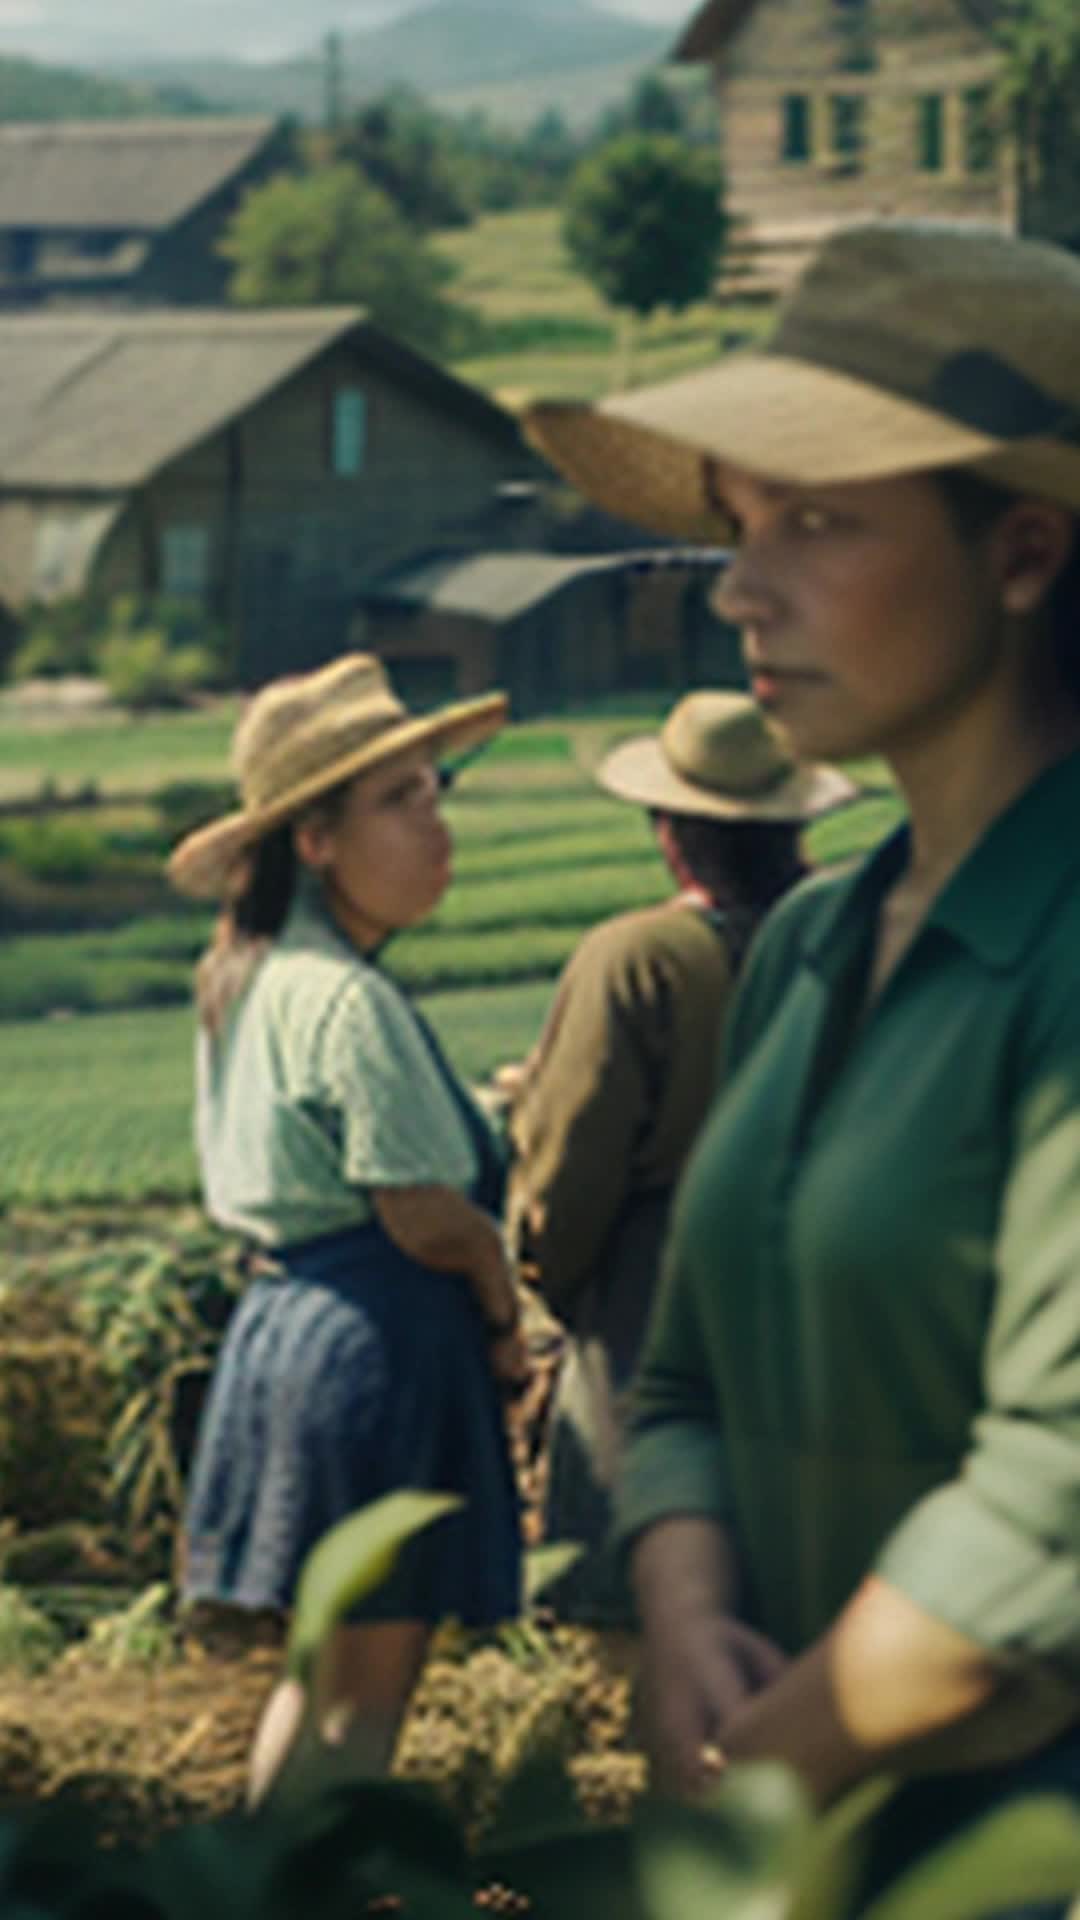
<point>267,465</point>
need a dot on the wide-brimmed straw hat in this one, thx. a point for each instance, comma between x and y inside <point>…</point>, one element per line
<point>716,755</point>
<point>303,735</point>
<point>904,347</point>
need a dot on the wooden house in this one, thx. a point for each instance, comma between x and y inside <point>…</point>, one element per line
<point>267,465</point>
<point>837,109</point>
<point>311,484</point>
<point>125,209</point>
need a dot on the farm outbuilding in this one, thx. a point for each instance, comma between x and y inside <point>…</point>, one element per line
<point>267,465</point>
<point>554,629</point>
<point>127,210</point>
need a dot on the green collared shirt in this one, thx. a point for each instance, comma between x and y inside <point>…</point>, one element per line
<point>320,1087</point>
<point>866,1354</point>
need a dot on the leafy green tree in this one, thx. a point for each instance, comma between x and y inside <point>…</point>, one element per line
<point>329,237</point>
<point>1040,88</point>
<point>645,224</point>
<point>405,149</point>
<point>652,107</point>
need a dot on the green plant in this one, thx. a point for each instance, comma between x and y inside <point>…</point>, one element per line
<point>29,1640</point>
<point>141,1634</point>
<point>52,849</point>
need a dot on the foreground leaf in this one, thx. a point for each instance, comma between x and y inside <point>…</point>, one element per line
<point>1029,1852</point>
<point>349,1562</point>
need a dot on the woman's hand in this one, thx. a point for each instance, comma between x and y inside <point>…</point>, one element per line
<point>510,1362</point>
<point>695,1676</point>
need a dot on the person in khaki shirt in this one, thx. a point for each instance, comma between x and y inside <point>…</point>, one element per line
<point>610,1101</point>
<point>852,1491</point>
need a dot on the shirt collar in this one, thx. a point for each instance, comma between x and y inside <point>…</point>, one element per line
<point>1000,896</point>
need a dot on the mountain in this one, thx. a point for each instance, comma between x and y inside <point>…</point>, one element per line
<point>29,91</point>
<point>512,59</point>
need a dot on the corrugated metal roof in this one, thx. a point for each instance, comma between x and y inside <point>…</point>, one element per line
<point>101,401</point>
<point>132,175</point>
<point>502,586</point>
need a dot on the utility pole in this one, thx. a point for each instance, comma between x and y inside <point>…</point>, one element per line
<point>334,78</point>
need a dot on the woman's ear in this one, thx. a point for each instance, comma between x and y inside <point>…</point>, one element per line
<point>314,843</point>
<point>1031,544</point>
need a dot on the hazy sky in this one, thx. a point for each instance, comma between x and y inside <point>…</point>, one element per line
<point>75,31</point>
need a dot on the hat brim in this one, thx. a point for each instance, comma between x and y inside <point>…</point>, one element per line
<point>637,770</point>
<point>202,863</point>
<point>645,456</point>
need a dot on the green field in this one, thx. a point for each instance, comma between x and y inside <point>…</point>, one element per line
<point>95,1105</point>
<point>553,334</point>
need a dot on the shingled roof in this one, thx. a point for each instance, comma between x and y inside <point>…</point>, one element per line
<point>713,27</point>
<point>128,175</point>
<point>97,402</point>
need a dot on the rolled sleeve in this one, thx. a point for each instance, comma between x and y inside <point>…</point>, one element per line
<point>996,1552</point>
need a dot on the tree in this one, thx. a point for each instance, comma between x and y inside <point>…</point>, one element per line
<point>652,107</point>
<point>329,237</point>
<point>645,223</point>
<point>1040,40</point>
<point>404,148</point>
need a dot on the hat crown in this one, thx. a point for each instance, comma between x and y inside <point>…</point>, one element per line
<point>295,727</point>
<point>722,742</point>
<point>908,306</point>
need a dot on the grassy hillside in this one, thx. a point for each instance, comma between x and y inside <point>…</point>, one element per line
<point>30,91</point>
<point>550,333</point>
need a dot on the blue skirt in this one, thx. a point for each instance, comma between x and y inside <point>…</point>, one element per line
<point>352,1373</point>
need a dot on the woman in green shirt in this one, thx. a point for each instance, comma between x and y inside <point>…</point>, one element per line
<point>852,1495</point>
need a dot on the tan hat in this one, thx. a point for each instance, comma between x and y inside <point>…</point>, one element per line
<point>903,347</point>
<point>301,736</point>
<point>717,755</point>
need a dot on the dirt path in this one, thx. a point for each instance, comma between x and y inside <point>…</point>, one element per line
<point>151,1748</point>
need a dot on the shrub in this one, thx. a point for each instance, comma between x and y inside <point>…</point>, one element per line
<point>183,805</point>
<point>150,652</point>
<point>29,1640</point>
<point>59,639</point>
<point>54,849</point>
<point>141,670</point>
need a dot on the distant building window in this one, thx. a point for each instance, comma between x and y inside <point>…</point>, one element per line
<point>930,143</point>
<point>185,562</point>
<point>847,114</point>
<point>980,147</point>
<point>22,249</point>
<point>795,128</point>
<point>348,432</point>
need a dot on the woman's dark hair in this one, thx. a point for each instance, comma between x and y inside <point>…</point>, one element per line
<point>974,505</point>
<point>748,863</point>
<point>255,913</point>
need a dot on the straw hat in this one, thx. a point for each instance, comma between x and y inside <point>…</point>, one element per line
<point>716,755</point>
<point>303,735</point>
<point>903,347</point>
